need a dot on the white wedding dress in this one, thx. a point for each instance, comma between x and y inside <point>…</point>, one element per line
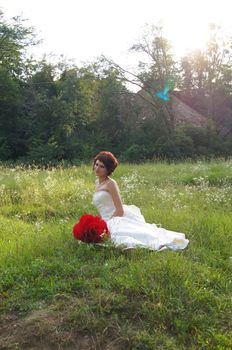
<point>131,230</point>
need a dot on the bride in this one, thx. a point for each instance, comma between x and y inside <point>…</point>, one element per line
<point>126,224</point>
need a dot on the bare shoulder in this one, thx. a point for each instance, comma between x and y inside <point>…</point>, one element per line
<point>112,184</point>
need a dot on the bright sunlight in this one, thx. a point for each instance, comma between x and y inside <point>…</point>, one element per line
<point>187,24</point>
<point>97,28</point>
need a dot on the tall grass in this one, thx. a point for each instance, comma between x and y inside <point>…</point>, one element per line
<point>138,299</point>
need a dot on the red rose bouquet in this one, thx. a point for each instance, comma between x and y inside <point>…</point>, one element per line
<point>91,229</point>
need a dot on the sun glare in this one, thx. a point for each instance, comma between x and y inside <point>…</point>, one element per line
<point>188,25</point>
<point>188,37</point>
<point>85,34</point>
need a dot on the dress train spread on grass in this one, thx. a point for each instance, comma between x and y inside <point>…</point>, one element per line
<point>131,230</point>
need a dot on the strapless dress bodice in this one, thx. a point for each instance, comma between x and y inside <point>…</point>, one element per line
<point>104,204</point>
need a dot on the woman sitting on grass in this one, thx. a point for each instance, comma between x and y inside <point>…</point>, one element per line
<point>126,224</point>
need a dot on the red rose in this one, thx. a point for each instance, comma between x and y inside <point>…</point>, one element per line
<point>90,229</point>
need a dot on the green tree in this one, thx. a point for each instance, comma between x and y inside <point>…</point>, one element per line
<point>14,40</point>
<point>157,68</point>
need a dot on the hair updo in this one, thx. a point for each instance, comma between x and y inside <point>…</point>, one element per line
<point>108,159</point>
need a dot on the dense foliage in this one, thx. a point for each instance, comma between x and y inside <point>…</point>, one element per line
<point>52,112</point>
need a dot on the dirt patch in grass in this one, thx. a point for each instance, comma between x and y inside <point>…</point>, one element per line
<point>51,329</point>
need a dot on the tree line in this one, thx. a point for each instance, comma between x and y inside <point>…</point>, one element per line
<point>53,112</point>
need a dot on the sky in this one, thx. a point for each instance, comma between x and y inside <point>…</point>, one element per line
<point>82,30</point>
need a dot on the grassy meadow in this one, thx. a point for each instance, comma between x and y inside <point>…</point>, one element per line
<point>57,293</point>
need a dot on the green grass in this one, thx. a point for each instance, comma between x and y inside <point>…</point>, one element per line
<point>65,294</point>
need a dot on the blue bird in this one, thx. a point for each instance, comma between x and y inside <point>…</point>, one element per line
<point>164,93</point>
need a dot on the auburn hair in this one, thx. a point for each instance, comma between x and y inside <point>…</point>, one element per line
<point>108,159</point>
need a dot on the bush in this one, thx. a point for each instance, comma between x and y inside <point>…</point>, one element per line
<point>176,147</point>
<point>135,153</point>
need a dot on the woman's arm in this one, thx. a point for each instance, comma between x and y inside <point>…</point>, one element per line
<point>114,191</point>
